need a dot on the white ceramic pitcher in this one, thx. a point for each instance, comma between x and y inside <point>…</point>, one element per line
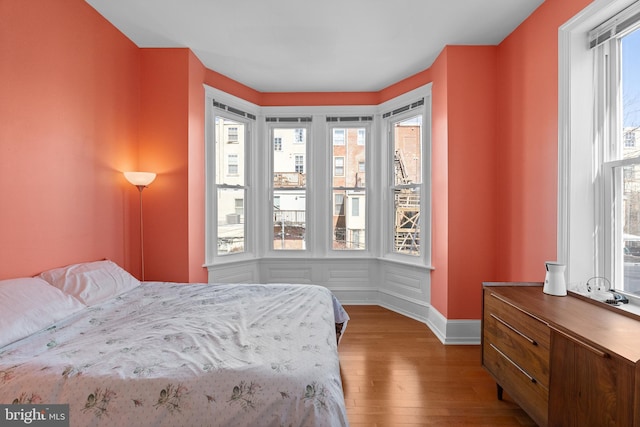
<point>554,283</point>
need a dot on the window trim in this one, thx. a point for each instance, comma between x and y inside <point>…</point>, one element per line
<point>295,125</point>
<point>345,124</point>
<point>410,104</point>
<point>582,205</point>
<point>218,103</point>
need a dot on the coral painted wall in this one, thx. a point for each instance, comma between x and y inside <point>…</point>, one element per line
<point>471,116</point>
<point>527,149</point>
<point>171,140</point>
<point>69,114</point>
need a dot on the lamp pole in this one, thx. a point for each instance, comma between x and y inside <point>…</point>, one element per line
<point>141,180</point>
<point>140,188</point>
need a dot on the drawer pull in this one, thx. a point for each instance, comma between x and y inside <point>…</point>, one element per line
<point>589,347</point>
<point>533,380</point>
<point>532,341</point>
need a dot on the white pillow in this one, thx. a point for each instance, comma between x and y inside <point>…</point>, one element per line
<point>91,282</point>
<point>30,304</point>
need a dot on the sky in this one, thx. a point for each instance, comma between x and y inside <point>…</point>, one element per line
<point>631,78</point>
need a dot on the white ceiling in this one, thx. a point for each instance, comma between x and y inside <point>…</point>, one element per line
<point>315,46</point>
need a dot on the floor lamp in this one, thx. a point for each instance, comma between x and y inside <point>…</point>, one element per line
<point>141,180</point>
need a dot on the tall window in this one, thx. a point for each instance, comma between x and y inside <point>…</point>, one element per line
<point>289,193</point>
<point>277,144</point>
<point>349,189</point>
<point>406,185</point>
<point>230,184</point>
<point>621,57</point>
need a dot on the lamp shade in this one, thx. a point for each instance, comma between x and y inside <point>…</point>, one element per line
<point>140,178</point>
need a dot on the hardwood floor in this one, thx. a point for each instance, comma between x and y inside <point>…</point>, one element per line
<point>395,372</point>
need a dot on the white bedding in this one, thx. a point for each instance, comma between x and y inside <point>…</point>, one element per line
<point>166,354</point>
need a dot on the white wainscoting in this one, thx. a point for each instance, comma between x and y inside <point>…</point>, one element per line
<point>405,289</point>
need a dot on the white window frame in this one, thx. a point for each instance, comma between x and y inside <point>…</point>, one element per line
<point>388,226</point>
<point>585,242</point>
<point>344,127</point>
<point>306,169</point>
<point>211,188</point>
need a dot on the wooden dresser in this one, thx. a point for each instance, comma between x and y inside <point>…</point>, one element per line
<point>567,361</point>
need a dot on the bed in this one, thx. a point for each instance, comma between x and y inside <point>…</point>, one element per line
<point>125,353</point>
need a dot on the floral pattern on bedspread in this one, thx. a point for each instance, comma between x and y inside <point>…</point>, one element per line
<point>198,355</point>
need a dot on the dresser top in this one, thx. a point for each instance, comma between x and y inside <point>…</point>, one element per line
<point>595,323</point>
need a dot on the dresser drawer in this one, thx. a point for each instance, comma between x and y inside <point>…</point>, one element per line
<point>531,395</point>
<point>531,328</point>
<point>521,342</point>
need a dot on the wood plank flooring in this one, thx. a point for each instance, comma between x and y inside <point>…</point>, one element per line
<point>395,372</point>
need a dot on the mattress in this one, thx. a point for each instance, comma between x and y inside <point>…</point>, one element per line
<point>169,354</point>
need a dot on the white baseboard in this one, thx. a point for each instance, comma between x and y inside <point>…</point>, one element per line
<point>452,331</point>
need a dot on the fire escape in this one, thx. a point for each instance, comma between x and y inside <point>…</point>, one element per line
<point>407,225</point>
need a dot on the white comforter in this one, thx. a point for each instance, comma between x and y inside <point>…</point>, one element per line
<point>168,354</point>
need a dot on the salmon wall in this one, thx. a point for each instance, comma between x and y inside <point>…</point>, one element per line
<point>172,145</point>
<point>472,166</point>
<point>69,111</point>
<point>527,149</point>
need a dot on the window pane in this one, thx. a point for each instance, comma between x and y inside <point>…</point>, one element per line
<point>629,203</point>
<point>230,171</point>
<point>631,94</point>
<point>407,151</point>
<point>230,221</point>
<point>407,223</point>
<point>289,188</point>
<point>349,192</point>
<point>407,160</point>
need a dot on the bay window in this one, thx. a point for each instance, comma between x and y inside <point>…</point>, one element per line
<point>354,193</point>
